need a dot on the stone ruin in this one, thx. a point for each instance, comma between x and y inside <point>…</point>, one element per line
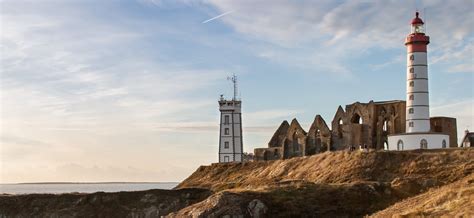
<point>360,124</point>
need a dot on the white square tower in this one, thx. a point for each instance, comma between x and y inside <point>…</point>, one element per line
<point>230,136</point>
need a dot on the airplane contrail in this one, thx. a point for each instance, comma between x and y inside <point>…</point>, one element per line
<point>218,16</point>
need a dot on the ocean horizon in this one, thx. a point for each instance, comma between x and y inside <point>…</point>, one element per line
<point>81,187</point>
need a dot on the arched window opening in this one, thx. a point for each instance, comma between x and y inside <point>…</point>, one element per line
<point>411,110</point>
<point>318,133</point>
<point>339,128</point>
<point>385,125</point>
<point>412,70</point>
<point>424,144</point>
<point>412,57</point>
<point>385,145</point>
<point>296,147</point>
<point>412,84</point>
<point>444,143</point>
<point>356,119</point>
<point>400,145</point>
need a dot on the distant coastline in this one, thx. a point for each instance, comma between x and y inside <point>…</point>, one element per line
<point>81,187</point>
<point>61,183</point>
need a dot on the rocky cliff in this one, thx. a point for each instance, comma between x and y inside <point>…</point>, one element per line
<point>351,184</point>
<point>151,203</point>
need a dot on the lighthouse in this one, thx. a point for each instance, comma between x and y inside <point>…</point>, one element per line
<point>418,131</point>
<point>417,99</point>
<point>230,136</point>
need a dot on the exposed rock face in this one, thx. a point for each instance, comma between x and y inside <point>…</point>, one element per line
<point>257,208</point>
<point>151,203</point>
<point>360,125</point>
<point>225,204</point>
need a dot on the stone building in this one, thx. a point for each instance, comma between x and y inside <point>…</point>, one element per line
<point>359,124</point>
<point>230,131</point>
<point>445,125</point>
<point>367,124</point>
<point>288,141</point>
<point>467,140</point>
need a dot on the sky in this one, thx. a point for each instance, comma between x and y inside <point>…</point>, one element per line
<point>116,90</point>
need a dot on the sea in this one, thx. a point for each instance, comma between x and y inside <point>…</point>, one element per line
<point>58,188</point>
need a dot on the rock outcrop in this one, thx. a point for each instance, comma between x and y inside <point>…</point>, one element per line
<point>151,203</point>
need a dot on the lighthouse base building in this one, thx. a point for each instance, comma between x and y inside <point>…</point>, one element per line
<point>410,141</point>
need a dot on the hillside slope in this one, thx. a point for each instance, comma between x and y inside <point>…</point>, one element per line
<point>410,172</point>
<point>453,200</point>
<point>353,184</point>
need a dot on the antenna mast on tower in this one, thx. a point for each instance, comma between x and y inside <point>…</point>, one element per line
<point>234,81</point>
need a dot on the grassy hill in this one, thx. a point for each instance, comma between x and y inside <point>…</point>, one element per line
<point>342,183</point>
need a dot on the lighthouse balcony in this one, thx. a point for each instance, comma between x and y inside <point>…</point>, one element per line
<point>417,38</point>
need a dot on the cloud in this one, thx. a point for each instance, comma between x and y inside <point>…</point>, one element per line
<point>338,30</point>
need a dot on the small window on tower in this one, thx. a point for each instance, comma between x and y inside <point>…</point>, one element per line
<point>412,70</point>
<point>226,131</point>
<point>226,144</point>
<point>411,124</point>
<point>226,119</point>
<point>412,57</point>
<point>412,83</point>
<point>412,97</point>
<point>411,110</point>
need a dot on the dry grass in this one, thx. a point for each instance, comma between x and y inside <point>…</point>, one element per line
<point>411,168</point>
<point>453,200</point>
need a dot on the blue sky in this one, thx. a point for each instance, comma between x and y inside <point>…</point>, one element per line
<point>127,90</point>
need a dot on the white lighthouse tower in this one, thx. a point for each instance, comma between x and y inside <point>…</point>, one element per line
<point>418,133</point>
<point>418,110</point>
<point>230,136</point>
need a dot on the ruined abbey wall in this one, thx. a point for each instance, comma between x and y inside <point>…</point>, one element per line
<point>358,125</point>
